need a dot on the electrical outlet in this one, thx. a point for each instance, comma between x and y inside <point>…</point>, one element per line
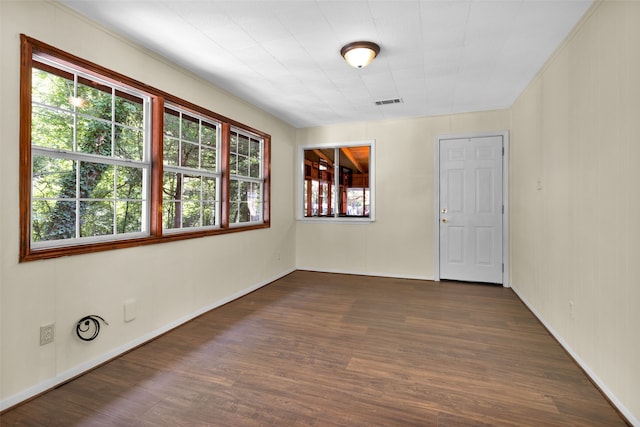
<point>47,333</point>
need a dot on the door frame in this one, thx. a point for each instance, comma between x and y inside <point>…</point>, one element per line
<point>505,199</point>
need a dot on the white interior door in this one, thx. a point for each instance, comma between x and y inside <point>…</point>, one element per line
<point>471,209</point>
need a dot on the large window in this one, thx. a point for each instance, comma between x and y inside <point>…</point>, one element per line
<point>108,162</point>
<point>336,182</point>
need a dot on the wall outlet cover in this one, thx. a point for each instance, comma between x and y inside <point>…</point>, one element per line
<point>47,333</point>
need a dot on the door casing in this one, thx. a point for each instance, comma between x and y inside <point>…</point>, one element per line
<point>505,199</point>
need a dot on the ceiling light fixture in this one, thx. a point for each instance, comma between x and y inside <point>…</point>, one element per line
<point>360,54</point>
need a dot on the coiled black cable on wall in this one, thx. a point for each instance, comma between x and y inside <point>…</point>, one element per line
<point>88,327</point>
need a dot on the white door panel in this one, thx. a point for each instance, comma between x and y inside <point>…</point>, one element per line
<point>471,211</point>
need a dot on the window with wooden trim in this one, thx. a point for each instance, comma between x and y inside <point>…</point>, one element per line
<point>109,162</point>
<point>191,179</point>
<point>336,182</point>
<point>246,181</point>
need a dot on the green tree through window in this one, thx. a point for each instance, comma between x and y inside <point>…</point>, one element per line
<point>88,157</point>
<point>108,162</point>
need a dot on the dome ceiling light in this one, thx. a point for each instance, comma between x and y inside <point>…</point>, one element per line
<point>360,54</point>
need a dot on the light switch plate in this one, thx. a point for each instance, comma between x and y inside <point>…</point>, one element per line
<point>129,310</point>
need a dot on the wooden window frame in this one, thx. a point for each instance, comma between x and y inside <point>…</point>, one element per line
<point>29,46</point>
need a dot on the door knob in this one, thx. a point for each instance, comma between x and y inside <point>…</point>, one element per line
<point>444,219</point>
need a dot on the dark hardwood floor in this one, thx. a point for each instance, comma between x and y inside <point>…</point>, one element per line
<point>337,350</point>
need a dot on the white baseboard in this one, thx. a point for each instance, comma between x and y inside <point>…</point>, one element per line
<point>367,273</point>
<point>84,367</point>
<point>612,397</point>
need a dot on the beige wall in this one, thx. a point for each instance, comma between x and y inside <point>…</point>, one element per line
<point>170,281</point>
<point>576,130</point>
<point>401,240</point>
<point>574,204</point>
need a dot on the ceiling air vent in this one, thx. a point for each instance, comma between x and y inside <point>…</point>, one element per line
<point>389,101</point>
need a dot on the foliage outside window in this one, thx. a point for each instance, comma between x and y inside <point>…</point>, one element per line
<point>108,162</point>
<point>336,182</point>
<point>246,182</point>
<point>191,179</point>
<point>90,161</point>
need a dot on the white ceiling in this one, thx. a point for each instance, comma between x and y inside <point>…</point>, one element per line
<point>438,56</point>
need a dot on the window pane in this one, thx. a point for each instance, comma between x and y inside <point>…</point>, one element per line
<point>96,180</point>
<point>357,202</point>
<point>325,200</point>
<point>233,143</point>
<point>209,189</point>
<point>190,214</point>
<point>189,155</point>
<point>234,187</point>
<point>52,128</point>
<point>129,216</point>
<point>129,183</point>
<point>208,214</point>
<point>170,151</point>
<point>94,101</point>
<point>129,143</point>
<point>254,201</point>
<point>53,178</point>
<point>171,191</point>
<point>171,123</point>
<point>96,218</point>
<point>190,128</point>
<point>243,166</point>
<point>243,145</point>
<point>93,136</point>
<point>208,158</point>
<point>233,163</point>
<point>51,89</point>
<point>209,203</point>
<point>129,110</point>
<point>255,162</point>
<point>188,201</point>
<point>209,134</point>
<point>170,211</point>
<point>53,220</point>
<point>246,201</point>
<point>233,212</point>
<point>319,171</point>
<point>191,189</point>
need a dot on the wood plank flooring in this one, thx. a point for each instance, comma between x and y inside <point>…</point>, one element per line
<point>322,349</point>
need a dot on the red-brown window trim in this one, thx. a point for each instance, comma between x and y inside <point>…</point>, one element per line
<point>158,99</point>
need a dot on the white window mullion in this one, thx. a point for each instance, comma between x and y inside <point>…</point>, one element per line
<point>113,122</point>
<point>180,140</point>
<point>336,182</point>
<point>114,197</point>
<point>77,199</point>
<point>75,112</point>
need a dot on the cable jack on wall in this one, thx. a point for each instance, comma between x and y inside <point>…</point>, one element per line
<point>88,327</point>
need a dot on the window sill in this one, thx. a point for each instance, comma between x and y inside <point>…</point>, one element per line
<point>338,220</point>
<point>33,254</point>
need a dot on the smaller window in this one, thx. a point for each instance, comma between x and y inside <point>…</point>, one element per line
<point>246,181</point>
<point>336,182</point>
<point>191,181</point>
